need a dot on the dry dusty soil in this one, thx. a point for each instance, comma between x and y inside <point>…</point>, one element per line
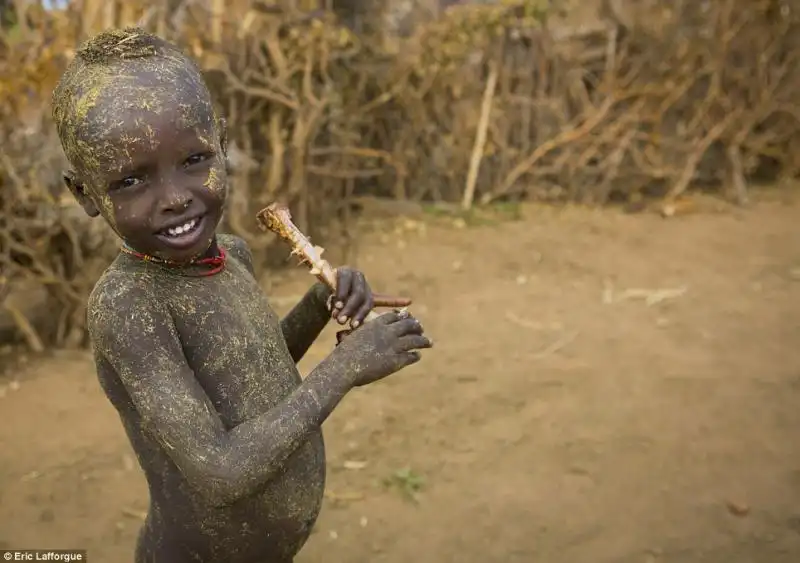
<point>604,388</point>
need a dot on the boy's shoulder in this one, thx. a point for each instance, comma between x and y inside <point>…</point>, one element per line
<point>121,300</point>
<point>119,289</point>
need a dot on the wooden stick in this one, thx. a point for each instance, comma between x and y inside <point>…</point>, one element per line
<point>278,219</point>
<point>480,139</point>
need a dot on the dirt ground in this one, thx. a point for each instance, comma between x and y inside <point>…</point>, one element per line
<point>604,388</point>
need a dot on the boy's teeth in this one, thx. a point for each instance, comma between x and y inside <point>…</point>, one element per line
<point>175,231</point>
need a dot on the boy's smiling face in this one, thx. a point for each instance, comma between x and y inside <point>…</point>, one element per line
<point>152,162</point>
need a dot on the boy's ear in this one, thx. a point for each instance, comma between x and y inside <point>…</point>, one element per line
<point>78,191</point>
<point>223,135</point>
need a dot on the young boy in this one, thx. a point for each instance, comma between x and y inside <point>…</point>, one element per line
<point>202,372</point>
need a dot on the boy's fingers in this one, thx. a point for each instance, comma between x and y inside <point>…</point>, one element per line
<point>344,280</point>
<point>408,358</point>
<point>391,317</point>
<point>413,342</point>
<point>406,326</point>
<point>355,299</point>
<point>363,311</point>
<point>346,313</point>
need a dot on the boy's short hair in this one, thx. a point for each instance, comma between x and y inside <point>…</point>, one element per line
<point>88,72</point>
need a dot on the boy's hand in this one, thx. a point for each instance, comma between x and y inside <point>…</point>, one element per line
<point>353,299</point>
<point>383,346</point>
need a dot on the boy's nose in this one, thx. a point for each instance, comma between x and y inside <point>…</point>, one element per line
<point>177,203</point>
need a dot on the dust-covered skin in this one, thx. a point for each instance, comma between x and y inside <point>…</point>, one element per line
<point>228,435</point>
<point>114,114</point>
<point>210,397</point>
<point>202,372</point>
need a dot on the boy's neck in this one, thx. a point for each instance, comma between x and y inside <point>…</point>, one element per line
<point>213,250</point>
<point>209,263</point>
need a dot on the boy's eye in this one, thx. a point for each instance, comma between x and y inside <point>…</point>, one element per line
<point>197,158</point>
<point>128,182</point>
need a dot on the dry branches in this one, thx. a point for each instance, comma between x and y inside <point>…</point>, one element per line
<point>482,103</point>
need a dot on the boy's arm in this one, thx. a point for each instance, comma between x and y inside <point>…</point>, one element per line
<point>304,323</point>
<point>145,350</point>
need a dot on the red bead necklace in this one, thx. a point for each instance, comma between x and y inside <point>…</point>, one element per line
<point>216,263</point>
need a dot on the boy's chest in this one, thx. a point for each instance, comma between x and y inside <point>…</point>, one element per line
<point>233,341</point>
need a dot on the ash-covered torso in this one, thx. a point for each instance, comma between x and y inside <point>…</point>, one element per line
<point>224,329</point>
